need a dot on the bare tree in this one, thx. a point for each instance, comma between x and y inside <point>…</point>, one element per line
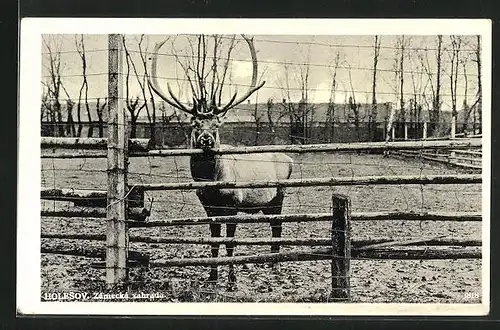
<point>134,106</point>
<point>304,106</point>
<point>270,108</point>
<point>84,89</point>
<point>147,99</point>
<point>465,103</point>
<point>330,112</point>
<point>372,121</point>
<point>301,113</point>
<point>399,70</point>
<point>70,125</point>
<point>291,109</point>
<point>418,95</point>
<point>435,86</point>
<point>257,115</point>
<point>436,106</point>
<point>45,107</point>
<point>100,110</point>
<point>477,106</point>
<point>454,55</point>
<point>151,112</point>
<point>166,119</point>
<point>53,85</point>
<point>353,106</point>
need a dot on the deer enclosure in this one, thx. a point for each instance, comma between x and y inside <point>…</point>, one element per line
<point>443,281</point>
<point>172,113</point>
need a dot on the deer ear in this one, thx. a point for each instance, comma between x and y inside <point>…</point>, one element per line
<point>194,121</point>
<point>218,122</point>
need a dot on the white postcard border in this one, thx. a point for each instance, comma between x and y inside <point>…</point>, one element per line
<point>28,224</point>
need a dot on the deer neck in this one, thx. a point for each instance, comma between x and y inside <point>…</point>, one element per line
<point>206,166</point>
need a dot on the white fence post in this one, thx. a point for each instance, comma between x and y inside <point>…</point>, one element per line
<point>424,133</point>
<point>116,229</point>
<point>453,126</point>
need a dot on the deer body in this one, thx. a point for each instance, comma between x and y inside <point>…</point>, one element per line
<point>206,116</point>
<point>241,168</point>
<point>228,201</point>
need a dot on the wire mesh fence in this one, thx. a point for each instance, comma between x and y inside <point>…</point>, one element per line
<point>92,174</point>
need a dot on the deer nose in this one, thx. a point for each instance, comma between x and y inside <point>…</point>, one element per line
<point>205,141</point>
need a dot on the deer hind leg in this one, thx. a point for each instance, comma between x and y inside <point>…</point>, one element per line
<point>215,229</point>
<point>275,207</point>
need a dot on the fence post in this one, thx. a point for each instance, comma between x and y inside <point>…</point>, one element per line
<point>116,214</point>
<point>424,134</point>
<point>453,126</point>
<point>341,247</point>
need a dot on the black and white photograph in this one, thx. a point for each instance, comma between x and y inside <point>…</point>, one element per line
<point>252,167</point>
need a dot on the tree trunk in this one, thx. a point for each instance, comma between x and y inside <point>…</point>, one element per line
<point>133,126</point>
<point>152,121</point>
<point>257,132</point>
<point>270,120</point>
<point>70,124</point>
<point>434,127</point>
<point>91,124</point>
<point>59,119</point>
<point>479,85</point>
<point>372,120</point>
<point>101,126</point>
<point>79,118</point>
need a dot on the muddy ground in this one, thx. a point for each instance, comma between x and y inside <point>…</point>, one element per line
<point>395,281</point>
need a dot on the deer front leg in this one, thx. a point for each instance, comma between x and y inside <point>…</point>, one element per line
<point>276,231</point>
<point>230,230</point>
<point>215,229</point>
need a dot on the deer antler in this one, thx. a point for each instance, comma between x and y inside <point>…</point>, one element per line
<point>153,82</point>
<point>221,111</point>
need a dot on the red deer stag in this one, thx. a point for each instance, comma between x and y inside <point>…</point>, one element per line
<point>208,166</point>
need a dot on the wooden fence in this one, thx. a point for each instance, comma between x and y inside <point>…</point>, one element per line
<point>469,158</point>
<point>122,204</point>
<point>91,203</point>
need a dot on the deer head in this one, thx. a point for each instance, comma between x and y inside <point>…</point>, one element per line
<point>206,113</point>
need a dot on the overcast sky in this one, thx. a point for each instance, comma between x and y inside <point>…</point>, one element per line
<point>356,53</point>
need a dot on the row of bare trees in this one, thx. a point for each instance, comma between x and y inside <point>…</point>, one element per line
<point>60,120</point>
<point>447,61</point>
<point>205,63</point>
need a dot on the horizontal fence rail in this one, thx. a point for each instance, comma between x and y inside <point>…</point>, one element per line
<point>473,161</point>
<point>88,143</point>
<point>315,254</point>
<point>328,147</point>
<point>312,241</point>
<point>306,148</point>
<point>328,181</point>
<point>140,214</point>
<point>90,252</point>
<point>70,195</point>
<point>134,213</point>
<point>469,152</point>
<point>76,154</point>
<point>355,216</point>
<point>326,254</point>
<point>87,197</point>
